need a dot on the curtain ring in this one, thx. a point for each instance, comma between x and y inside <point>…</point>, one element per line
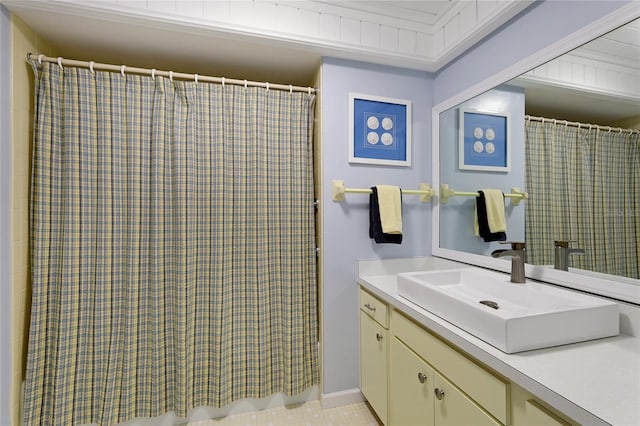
<point>222,81</point>
<point>91,67</point>
<point>40,56</point>
<point>122,70</point>
<point>171,76</point>
<point>245,84</point>
<point>60,62</point>
<point>195,78</point>
<point>290,89</point>
<point>309,91</point>
<point>153,74</point>
<point>267,86</point>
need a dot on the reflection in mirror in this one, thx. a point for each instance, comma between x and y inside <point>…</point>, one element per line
<point>575,148</point>
<point>459,211</point>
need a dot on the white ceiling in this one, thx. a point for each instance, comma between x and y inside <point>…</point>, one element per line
<point>88,35</point>
<point>141,34</point>
<point>181,49</point>
<point>421,12</point>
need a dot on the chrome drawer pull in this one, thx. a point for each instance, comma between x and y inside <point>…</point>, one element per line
<point>422,377</point>
<point>439,393</point>
<point>369,307</point>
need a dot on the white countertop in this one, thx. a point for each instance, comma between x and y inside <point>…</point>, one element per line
<point>594,382</point>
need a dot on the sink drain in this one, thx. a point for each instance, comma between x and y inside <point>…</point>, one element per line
<point>490,303</point>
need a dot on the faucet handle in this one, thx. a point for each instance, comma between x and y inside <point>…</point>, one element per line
<point>515,245</point>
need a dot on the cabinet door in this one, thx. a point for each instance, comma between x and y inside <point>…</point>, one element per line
<point>488,390</point>
<point>373,364</point>
<point>411,388</point>
<point>453,408</point>
<point>537,415</point>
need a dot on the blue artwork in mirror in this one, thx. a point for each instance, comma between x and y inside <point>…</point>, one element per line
<point>484,141</point>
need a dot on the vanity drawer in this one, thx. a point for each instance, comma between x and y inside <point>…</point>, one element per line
<point>488,390</point>
<point>375,308</point>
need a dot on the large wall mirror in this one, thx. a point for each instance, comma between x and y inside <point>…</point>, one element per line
<point>567,133</point>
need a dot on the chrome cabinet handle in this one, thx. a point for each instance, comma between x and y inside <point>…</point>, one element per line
<point>369,307</point>
<point>378,337</point>
<point>422,377</point>
<point>439,393</point>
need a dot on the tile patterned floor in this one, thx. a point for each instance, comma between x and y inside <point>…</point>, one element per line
<point>308,414</point>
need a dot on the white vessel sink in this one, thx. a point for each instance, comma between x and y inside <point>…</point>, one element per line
<point>512,317</point>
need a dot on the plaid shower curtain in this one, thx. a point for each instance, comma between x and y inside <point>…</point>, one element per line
<point>172,247</point>
<point>585,186</point>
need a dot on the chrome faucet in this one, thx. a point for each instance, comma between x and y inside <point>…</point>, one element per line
<point>517,260</point>
<point>562,252</point>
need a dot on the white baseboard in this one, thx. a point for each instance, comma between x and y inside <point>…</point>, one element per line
<point>338,399</point>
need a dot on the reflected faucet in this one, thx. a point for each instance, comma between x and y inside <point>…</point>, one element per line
<point>517,260</point>
<point>562,252</point>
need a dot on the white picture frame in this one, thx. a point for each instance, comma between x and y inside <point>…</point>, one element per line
<point>379,130</point>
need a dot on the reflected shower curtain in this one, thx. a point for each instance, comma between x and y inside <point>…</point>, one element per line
<point>172,245</point>
<point>584,185</point>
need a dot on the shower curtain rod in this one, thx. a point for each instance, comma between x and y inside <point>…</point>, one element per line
<point>581,125</point>
<point>122,69</point>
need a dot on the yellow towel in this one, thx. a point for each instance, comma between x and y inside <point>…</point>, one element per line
<point>494,199</point>
<point>390,205</point>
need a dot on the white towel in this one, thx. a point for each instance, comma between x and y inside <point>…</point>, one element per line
<point>390,205</point>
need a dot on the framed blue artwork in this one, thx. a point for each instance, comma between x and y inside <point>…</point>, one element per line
<point>379,130</point>
<point>484,141</point>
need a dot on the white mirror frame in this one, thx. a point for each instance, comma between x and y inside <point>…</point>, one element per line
<point>613,289</point>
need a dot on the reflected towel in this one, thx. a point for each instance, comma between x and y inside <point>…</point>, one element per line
<point>489,220</point>
<point>375,225</point>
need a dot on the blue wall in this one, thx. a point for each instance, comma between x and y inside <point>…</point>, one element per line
<point>456,216</point>
<point>345,237</point>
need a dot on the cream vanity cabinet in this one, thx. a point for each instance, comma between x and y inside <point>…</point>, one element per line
<point>411,377</point>
<point>374,349</point>
<point>433,384</point>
